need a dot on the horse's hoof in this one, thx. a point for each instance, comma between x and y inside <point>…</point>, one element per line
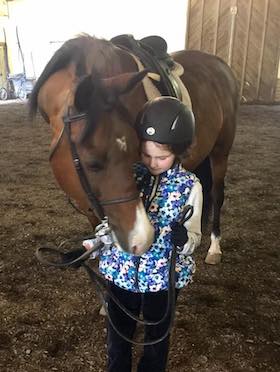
<point>102,311</point>
<point>213,259</point>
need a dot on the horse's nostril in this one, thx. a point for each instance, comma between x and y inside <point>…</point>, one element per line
<point>136,251</point>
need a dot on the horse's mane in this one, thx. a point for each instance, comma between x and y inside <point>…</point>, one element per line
<point>72,51</point>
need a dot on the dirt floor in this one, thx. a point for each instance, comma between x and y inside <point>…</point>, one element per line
<point>228,320</point>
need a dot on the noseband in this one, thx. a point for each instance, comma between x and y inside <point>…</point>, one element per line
<point>95,204</point>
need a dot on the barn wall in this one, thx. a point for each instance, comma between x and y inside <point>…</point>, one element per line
<point>3,46</point>
<point>246,35</point>
<point>3,66</point>
<point>4,11</point>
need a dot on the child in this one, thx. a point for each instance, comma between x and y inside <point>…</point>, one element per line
<point>166,128</point>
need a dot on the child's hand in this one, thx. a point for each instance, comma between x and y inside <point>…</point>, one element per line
<point>89,244</point>
<point>179,234</point>
<point>105,241</point>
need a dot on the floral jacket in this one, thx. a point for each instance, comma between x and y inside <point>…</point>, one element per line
<point>164,198</point>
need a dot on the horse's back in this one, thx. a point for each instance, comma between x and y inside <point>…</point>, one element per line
<point>205,73</point>
<point>214,94</point>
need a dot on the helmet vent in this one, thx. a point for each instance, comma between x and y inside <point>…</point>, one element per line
<point>173,126</point>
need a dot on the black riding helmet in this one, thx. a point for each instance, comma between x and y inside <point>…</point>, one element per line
<point>166,120</point>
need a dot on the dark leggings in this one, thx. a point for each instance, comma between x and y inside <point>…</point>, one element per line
<point>153,306</point>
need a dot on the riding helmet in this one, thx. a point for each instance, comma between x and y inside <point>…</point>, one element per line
<point>166,120</point>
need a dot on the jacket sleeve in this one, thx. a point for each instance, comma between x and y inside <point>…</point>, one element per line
<point>193,225</point>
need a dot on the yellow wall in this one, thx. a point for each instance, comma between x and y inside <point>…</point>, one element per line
<point>8,35</point>
<point>4,8</point>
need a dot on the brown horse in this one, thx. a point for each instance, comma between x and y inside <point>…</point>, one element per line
<point>90,93</point>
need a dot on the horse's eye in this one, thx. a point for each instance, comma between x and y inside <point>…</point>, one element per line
<point>95,166</point>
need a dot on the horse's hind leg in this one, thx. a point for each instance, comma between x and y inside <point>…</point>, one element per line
<point>204,173</point>
<point>219,167</point>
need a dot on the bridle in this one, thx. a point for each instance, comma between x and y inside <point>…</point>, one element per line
<point>96,205</point>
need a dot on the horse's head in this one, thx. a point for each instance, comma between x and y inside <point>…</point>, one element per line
<point>108,148</point>
<point>96,78</point>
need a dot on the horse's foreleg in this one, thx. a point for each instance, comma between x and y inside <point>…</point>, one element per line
<point>219,166</point>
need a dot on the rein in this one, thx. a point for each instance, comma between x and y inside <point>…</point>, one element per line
<point>103,290</point>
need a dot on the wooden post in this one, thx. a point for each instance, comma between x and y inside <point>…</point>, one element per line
<point>218,2</point>
<point>188,15</point>
<point>201,24</point>
<point>233,10</point>
<point>262,48</point>
<point>276,78</point>
<point>244,63</point>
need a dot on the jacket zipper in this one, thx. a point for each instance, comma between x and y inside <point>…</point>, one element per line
<point>137,264</point>
<point>150,198</point>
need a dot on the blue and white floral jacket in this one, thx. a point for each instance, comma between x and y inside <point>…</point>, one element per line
<point>164,198</point>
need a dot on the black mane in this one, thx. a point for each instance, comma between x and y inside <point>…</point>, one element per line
<point>72,51</point>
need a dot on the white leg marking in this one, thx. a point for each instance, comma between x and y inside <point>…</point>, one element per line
<point>214,253</point>
<point>215,245</point>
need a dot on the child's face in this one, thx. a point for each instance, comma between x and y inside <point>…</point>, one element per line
<point>156,157</point>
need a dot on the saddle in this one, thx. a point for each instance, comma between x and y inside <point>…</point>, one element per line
<point>152,52</point>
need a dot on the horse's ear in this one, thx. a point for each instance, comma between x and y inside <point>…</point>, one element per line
<point>124,83</point>
<point>83,94</point>
<point>109,88</point>
<point>132,81</point>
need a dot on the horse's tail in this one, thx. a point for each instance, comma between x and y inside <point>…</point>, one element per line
<point>204,173</point>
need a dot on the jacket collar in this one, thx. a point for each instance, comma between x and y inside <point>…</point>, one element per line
<point>171,171</point>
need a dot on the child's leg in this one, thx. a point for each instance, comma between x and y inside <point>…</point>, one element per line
<point>155,356</point>
<point>119,350</point>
